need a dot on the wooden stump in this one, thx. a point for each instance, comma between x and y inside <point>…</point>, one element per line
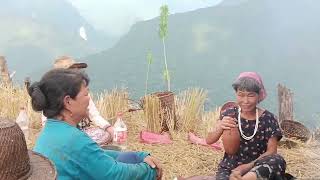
<point>285,103</point>
<point>27,82</point>
<point>4,72</point>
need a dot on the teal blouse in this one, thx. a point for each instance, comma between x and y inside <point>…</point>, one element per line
<point>77,156</point>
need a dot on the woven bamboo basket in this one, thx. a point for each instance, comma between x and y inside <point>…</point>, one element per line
<point>167,102</point>
<point>294,129</point>
<point>317,134</point>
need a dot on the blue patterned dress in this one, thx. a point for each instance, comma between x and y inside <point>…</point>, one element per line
<point>268,167</point>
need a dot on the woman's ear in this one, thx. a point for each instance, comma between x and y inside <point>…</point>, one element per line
<point>67,100</point>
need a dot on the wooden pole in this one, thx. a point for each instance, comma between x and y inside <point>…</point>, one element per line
<point>4,72</point>
<point>285,97</point>
<point>27,82</point>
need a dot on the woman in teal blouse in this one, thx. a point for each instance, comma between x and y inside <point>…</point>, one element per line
<point>62,95</point>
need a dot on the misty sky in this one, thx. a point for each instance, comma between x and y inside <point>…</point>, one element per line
<point>116,16</point>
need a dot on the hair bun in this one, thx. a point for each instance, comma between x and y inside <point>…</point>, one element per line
<point>38,100</point>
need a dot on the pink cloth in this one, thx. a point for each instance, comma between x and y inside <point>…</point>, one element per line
<point>201,141</point>
<point>255,76</point>
<point>153,138</point>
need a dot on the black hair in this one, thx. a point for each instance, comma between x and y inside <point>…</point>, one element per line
<point>247,84</point>
<point>47,95</point>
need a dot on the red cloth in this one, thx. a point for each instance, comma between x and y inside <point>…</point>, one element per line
<point>201,141</point>
<point>154,138</point>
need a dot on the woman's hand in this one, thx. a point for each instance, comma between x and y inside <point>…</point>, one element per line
<point>227,123</point>
<point>244,168</point>
<point>235,175</point>
<point>155,164</point>
<point>110,130</point>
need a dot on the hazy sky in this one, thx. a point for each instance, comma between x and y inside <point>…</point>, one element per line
<point>116,16</point>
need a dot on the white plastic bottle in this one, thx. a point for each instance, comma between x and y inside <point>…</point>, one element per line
<point>120,135</point>
<point>23,121</point>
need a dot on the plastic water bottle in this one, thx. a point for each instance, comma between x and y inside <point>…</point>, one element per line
<point>23,121</point>
<point>120,135</point>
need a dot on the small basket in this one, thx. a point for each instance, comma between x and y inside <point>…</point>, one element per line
<point>294,129</point>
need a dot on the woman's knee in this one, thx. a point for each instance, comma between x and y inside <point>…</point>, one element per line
<point>129,157</point>
<point>272,159</point>
<point>270,166</point>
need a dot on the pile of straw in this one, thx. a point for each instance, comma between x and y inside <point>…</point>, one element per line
<point>112,102</point>
<point>190,108</point>
<point>180,158</point>
<point>12,98</point>
<point>151,112</point>
<point>184,159</point>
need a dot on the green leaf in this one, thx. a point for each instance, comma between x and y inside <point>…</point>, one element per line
<point>166,75</point>
<point>163,26</point>
<point>149,58</point>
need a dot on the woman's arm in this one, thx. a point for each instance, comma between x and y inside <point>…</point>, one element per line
<point>225,124</point>
<point>100,164</point>
<point>274,134</point>
<point>271,149</point>
<point>115,154</point>
<point>95,116</point>
<point>214,136</point>
<point>274,137</point>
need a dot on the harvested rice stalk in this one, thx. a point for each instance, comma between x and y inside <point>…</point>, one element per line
<point>111,102</point>
<point>209,120</point>
<point>14,97</point>
<point>152,113</point>
<point>190,107</point>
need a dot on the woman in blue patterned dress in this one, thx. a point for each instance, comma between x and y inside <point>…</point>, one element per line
<point>259,131</point>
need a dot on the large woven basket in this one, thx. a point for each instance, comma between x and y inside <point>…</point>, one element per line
<point>317,134</point>
<point>167,102</point>
<point>16,162</point>
<point>294,129</point>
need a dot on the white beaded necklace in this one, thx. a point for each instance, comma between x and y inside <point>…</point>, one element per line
<point>255,128</point>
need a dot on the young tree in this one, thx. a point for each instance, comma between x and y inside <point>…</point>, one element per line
<point>163,32</point>
<point>149,59</point>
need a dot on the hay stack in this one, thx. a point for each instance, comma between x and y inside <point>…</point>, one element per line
<point>180,158</point>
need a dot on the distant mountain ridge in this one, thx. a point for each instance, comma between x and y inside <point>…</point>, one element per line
<point>34,32</point>
<point>209,47</point>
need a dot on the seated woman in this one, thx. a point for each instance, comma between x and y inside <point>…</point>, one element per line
<point>257,156</point>
<point>62,95</point>
<point>103,133</point>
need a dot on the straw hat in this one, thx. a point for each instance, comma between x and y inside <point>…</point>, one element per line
<point>16,161</point>
<point>67,62</point>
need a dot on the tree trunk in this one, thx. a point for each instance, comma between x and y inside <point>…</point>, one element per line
<point>4,72</point>
<point>285,103</point>
<point>27,82</point>
<point>166,65</point>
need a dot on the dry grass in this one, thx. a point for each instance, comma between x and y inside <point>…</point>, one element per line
<point>180,158</point>
<point>303,161</point>
<point>151,112</point>
<point>209,119</point>
<point>190,108</point>
<point>12,98</point>
<point>111,102</point>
